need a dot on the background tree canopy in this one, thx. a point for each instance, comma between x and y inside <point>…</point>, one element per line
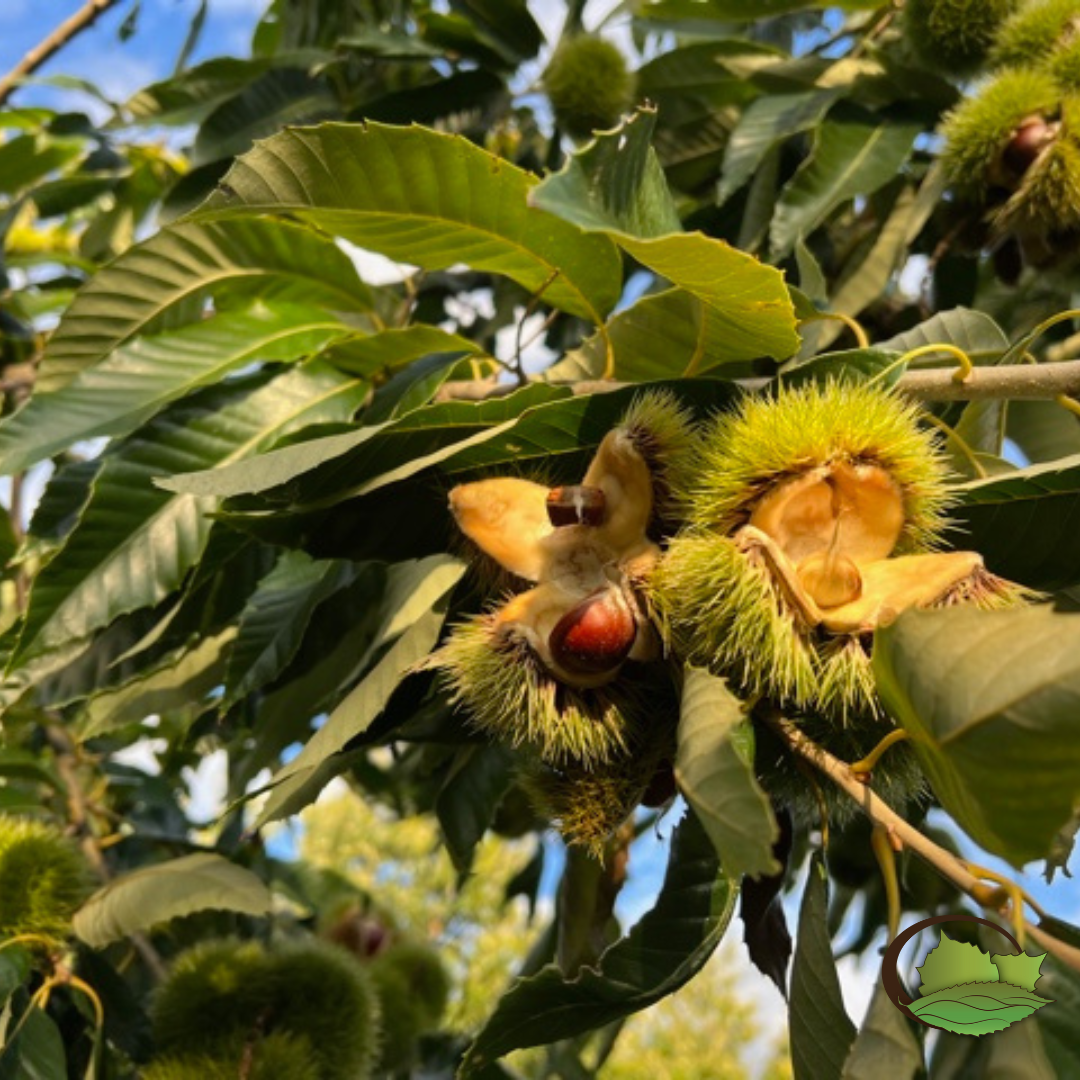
<point>229,435</point>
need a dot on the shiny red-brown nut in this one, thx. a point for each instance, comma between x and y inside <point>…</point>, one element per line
<point>576,504</point>
<point>595,636</point>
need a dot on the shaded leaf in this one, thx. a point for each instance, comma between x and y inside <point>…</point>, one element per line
<point>714,771</point>
<point>276,618</point>
<point>666,948</point>
<point>155,894</point>
<point>854,153</point>
<point>414,611</point>
<point>428,198</point>
<point>1023,523</point>
<point>973,331</point>
<point>989,700</point>
<point>885,1045</point>
<point>139,379</point>
<point>134,542</point>
<point>388,350</point>
<point>761,908</point>
<point>821,1032</point>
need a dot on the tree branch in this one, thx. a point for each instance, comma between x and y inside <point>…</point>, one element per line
<point>880,813</point>
<point>85,17</point>
<point>1032,382</point>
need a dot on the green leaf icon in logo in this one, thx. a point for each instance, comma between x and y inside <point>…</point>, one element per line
<point>967,991</point>
<point>977,1008</point>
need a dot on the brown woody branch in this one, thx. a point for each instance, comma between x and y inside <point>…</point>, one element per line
<point>85,17</point>
<point>1031,382</point>
<point>880,813</point>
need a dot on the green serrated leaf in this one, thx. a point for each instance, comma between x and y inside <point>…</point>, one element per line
<point>136,381</point>
<point>715,774</point>
<point>977,1008</point>
<point>1020,969</point>
<point>953,962</point>
<point>134,542</point>
<point>156,894</point>
<point>428,198</point>
<point>163,282</point>
<point>414,611</point>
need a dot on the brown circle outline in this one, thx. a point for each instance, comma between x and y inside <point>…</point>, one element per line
<point>890,979</point>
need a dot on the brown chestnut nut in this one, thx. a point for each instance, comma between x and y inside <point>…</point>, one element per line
<point>1027,142</point>
<point>576,504</point>
<point>595,636</point>
<point>662,788</point>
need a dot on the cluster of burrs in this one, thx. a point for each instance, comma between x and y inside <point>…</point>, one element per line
<point>767,547</point>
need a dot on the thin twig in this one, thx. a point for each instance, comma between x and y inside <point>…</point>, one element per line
<point>880,813</point>
<point>1029,382</point>
<point>85,17</point>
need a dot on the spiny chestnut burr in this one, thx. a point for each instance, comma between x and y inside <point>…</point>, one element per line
<point>596,635</point>
<point>576,504</point>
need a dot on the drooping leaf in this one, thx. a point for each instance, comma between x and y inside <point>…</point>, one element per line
<point>977,1008</point>
<point>854,154</point>
<point>134,542</point>
<point>885,1045</point>
<point>989,701</point>
<point>140,378</point>
<point>951,962</point>
<point>761,909</point>
<point>666,948</point>
<point>35,1047</point>
<point>155,894</point>
<point>1043,430</point>
<point>428,198</point>
<point>165,281</point>
<point>1022,523</point>
<point>821,1032</point>
<point>714,771</point>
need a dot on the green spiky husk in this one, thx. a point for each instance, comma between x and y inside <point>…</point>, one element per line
<point>43,879</point>
<point>271,1058</point>
<point>1033,33</point>
<point>662,432</point>
<point>589,85</point>
<point>509,695</point>
<point>223,991</point>
<point>1064,66</point>
<point>587,805</point>
<point>954,36</point>
<point>423,970</point>
<point>768,439</point>
<point>979,128</point>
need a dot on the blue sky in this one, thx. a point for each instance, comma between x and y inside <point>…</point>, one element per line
<point>119,67</point>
